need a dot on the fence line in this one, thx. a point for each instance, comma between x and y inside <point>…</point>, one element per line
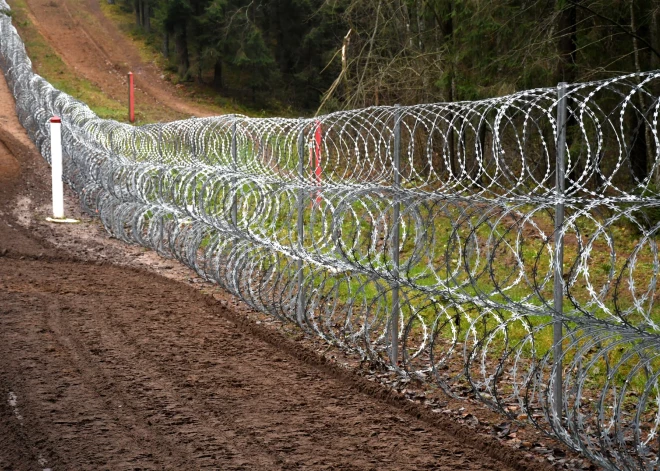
<point>505,246</point>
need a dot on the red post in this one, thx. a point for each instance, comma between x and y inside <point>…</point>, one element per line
<point>315,157</point>
<point>131,98</point>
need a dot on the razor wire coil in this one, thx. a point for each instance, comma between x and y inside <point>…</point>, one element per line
<point>441,213</point>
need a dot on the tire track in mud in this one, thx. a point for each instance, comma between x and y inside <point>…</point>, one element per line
<point>91,44</point>
<point>19,359</point>
<point>170,409</point>
<point>15,443</point>
<point>196,390</point>
<point>116,399</point>
<point>55,395</point>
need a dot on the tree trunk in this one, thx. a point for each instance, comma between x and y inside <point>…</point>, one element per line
<point>281,53</point>
<point>344,63</point>
<point>217,74</point>
<point>451,141</point>
<point>405,17</point>
<point>200,69</point>
<point>449,35</point>
<point>166,44</point>
<point>567,44</point>
<point>567,71</point>
<point>147,16</point>
<point>136,8</point>
<point>640,154</point>
<point>419,6</point>
<point>181,44</point>
<point>655,60</point>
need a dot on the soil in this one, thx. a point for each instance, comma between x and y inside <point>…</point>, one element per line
<point>106,367</point>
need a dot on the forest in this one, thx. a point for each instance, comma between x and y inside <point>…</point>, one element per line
<point>324,55</point>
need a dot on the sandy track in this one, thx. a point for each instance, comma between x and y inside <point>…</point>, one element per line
<point>93,46</point>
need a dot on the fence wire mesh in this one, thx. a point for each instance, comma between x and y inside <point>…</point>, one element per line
<point>426,238</point>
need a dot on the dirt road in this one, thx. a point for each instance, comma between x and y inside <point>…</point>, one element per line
<point>103,367</point>
<point>92,45</point>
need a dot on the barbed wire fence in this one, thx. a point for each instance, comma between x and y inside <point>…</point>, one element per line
<point>506,246</point>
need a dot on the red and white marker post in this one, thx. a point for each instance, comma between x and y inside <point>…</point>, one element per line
<point>56,171</point>
<point>56,166</point>
<point>131,98</point>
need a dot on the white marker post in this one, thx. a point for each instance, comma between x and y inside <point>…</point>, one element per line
<point>56,166</point>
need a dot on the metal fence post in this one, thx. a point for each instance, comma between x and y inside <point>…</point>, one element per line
<point>300,308</point>
<point>559,248</point>
<point>160,144</point>
<point>234,203</point>
<point>396,309</point>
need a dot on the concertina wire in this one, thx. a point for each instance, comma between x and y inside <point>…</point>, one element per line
<point>420,237</point>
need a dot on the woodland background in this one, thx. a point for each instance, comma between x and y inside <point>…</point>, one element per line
<point>324,55</point>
